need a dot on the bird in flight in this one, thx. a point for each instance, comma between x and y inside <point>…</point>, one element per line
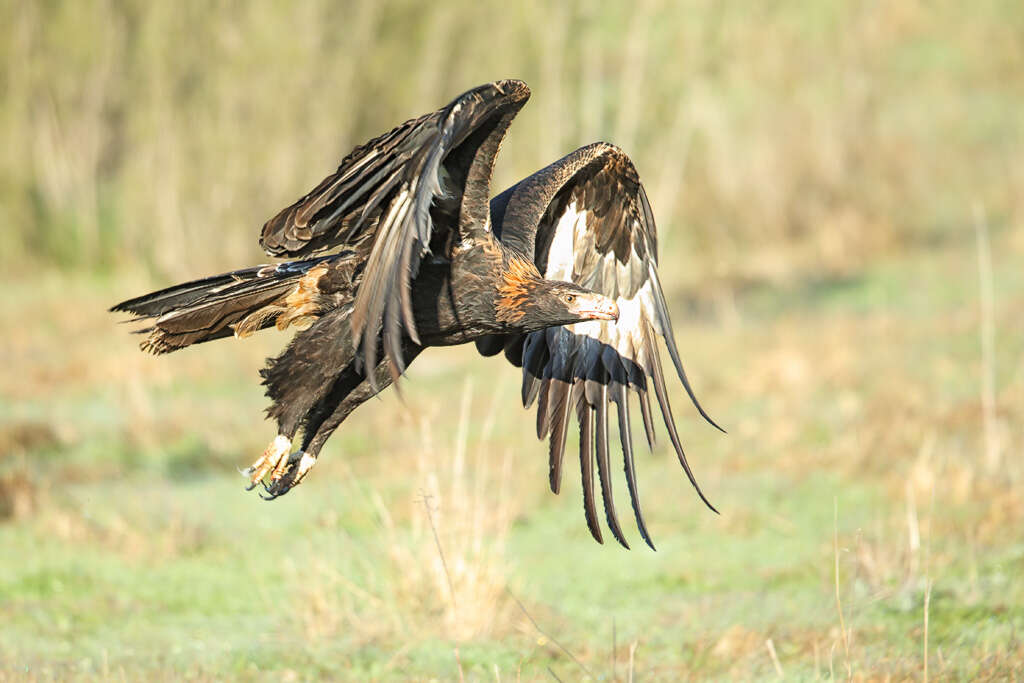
<point>402,248</point>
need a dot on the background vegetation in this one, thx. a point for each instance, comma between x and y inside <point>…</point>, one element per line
<point>840,195</point>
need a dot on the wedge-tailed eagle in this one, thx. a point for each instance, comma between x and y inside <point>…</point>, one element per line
<point>402,248</point>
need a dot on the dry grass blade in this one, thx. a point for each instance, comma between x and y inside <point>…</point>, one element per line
<point>544,633</point>
<point>770,646</point>
<point>927,601</point>
<point>839,604</point>
<point>986,331</point>
<point>615,676</point>
<point>447,574</point>
<point>440,551</point>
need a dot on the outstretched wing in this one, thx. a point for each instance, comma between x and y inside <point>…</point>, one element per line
<point>396,196</point>
<point>586,219</point>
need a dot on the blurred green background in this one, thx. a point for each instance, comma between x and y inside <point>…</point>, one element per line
<point>839,188</point>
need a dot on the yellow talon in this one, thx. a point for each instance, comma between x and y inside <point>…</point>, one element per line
<point>275,457</point>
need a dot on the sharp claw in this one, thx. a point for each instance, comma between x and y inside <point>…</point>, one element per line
<point>273,493</point>
<point>298,466</point>
<point>286,469</point>
<point>275,490</point>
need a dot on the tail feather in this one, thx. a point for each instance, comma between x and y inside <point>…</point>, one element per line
<point>240,302</point>
<point>181,295</point>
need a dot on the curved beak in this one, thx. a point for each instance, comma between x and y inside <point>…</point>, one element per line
<point>598,307</point>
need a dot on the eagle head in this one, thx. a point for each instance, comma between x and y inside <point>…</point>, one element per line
<point>528,302</point>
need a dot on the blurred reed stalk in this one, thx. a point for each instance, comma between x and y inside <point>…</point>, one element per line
<point>987,334</point>
<point>159,138</point>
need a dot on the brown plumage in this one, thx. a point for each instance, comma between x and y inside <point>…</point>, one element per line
<point>515,289</point>
<point>401,248</point>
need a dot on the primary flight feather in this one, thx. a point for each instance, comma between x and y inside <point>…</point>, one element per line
<point>402,248</point>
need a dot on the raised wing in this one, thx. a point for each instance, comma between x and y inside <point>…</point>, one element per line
<point>586,219</point>
<point>397,197</point>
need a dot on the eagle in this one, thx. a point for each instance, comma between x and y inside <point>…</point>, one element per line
<point>403,248</point>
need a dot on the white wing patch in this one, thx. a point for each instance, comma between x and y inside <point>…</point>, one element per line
<point>562,253</point>
<point>626,335</point>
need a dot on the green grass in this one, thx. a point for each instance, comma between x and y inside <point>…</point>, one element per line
<point>853,412</point>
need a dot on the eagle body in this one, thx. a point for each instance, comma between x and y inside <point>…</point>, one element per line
<point>403,248</point>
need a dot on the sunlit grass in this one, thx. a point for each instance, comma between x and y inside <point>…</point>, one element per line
<point>136,551</point>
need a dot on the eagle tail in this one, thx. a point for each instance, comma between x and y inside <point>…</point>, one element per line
<point>238,304</point>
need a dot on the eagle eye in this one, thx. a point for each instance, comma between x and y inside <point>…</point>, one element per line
<point>569,298</point>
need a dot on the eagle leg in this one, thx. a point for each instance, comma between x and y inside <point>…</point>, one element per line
<point>349,390</point>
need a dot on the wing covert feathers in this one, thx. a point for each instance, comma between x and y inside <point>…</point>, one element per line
<point>379,203</point>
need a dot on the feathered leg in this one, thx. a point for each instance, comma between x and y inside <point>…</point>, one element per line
<point>299,380</point>
<point>349,391</point>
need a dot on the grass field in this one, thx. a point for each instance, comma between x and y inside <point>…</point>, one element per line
<point>839,189</point>
<point>857,445</point>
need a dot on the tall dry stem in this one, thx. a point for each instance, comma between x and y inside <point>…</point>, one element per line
<point>993,454</point>
<point>839,604</point>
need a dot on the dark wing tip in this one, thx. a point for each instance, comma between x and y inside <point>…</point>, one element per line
<point>621,398</point>
<point>510,90</point>
<point>690,475</point>
<point>673,352</point>
<point>513,87</point>
<point>693,479</point>
<point>708,503</point>
<point>658,379</point>
<point>696,403</point>
<point>701,410</point>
